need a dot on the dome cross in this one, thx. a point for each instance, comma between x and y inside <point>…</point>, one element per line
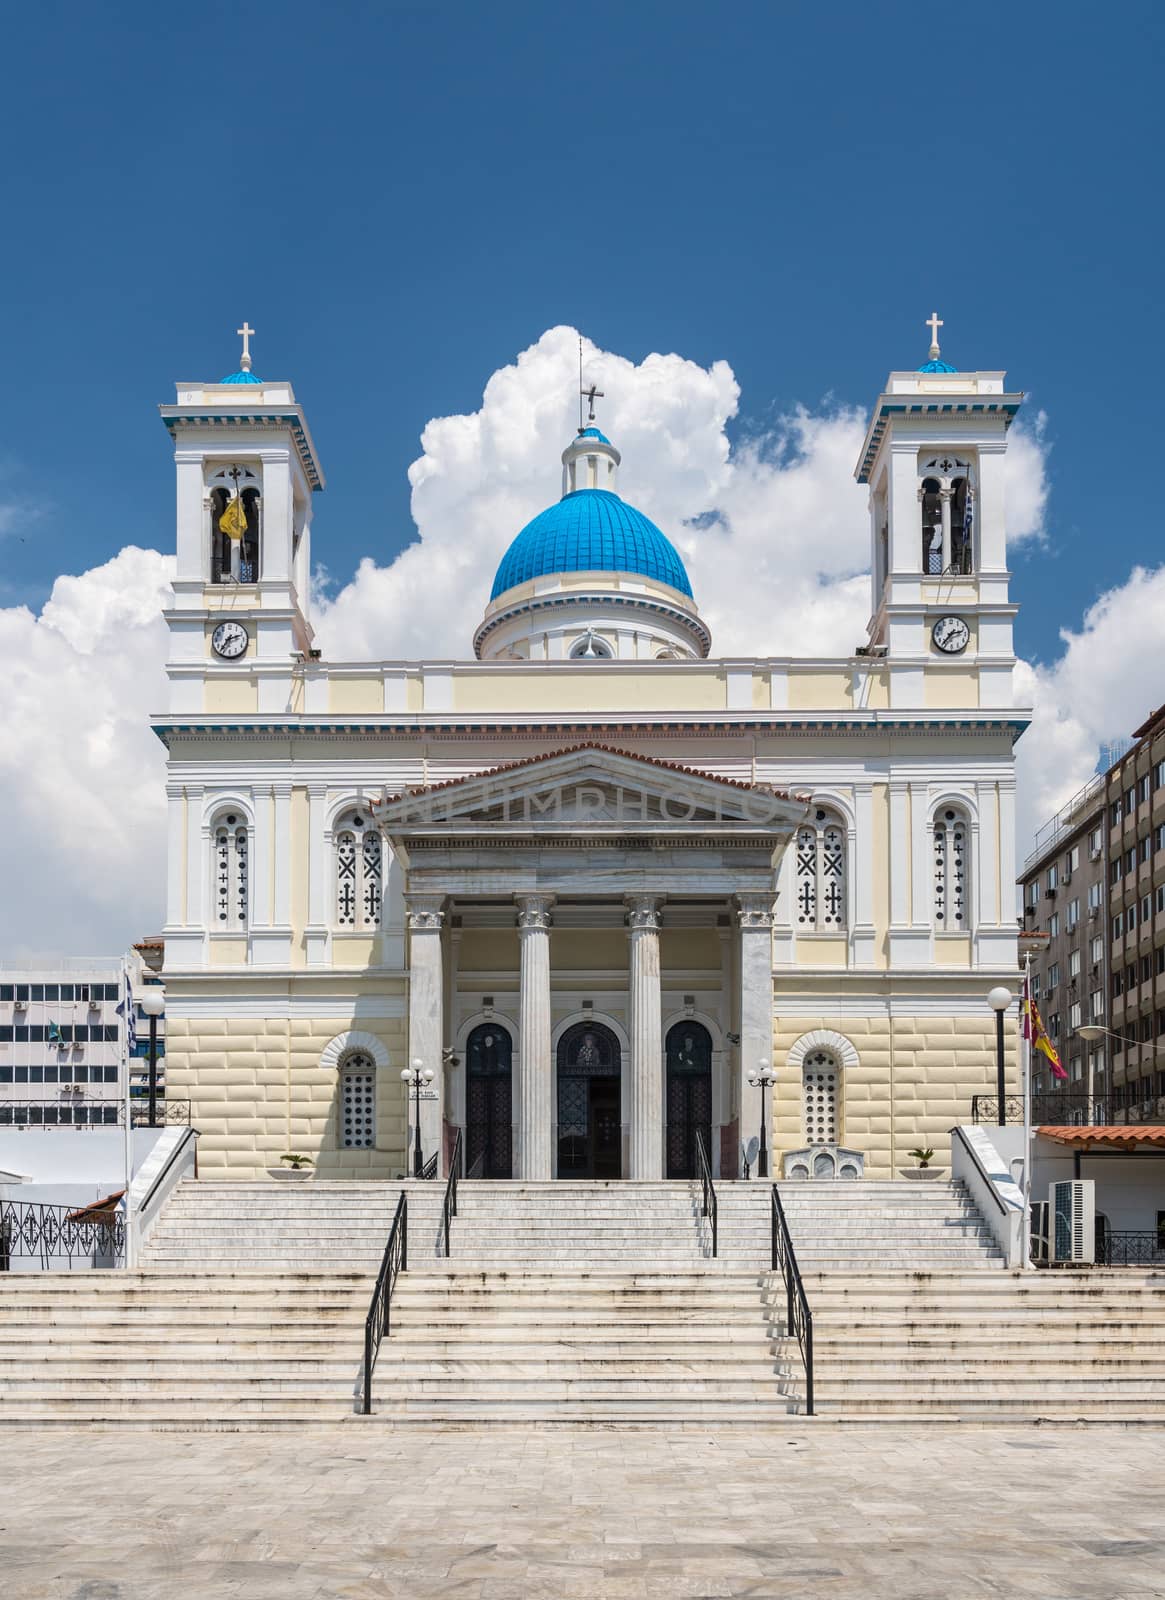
<point>246,332</point>
<point>934,323</point>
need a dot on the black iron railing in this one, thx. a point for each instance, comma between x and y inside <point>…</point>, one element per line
<point>429,1170</point>
<point>1130,1248</point>
<point>710,1209</point>
<point>1061,1110</point>
<point>449,1210</point>
<point>78,1112</point>
<point>798,1317</point>
<point>394,1262</point>
<point>56,1234</point>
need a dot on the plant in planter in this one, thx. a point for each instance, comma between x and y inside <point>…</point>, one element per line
<point>297,1166</point>
<point>923,1157</point>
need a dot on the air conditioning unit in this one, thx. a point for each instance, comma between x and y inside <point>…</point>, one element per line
<point>1093,913</point>
<point>1049,894</point>
<point>1072,1205</point>
<point>20,1005</point>
<point>1040,1250</point>
<point>1065,877</point>
<point>1095,855</point>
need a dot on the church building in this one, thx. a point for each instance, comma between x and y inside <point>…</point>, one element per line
<point>590,888</point>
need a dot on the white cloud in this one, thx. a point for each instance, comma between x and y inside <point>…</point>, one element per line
<point>1097,691</point>
<point>82,806</point>
<point>774,533</point>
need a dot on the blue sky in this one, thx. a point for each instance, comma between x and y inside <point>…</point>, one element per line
<point>401,198</point>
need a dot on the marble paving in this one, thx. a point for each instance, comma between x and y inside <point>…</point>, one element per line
<point>359,1513</point>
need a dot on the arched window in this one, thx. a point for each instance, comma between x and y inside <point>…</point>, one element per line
<point>820,895</point>
<point>932,525</point>
<point>234,525</point>
<point>230,846</point>
<point>359,871</point>
<point>357,1101</point>
<point>820,1077</point>
<point>951,869</point>
<point>590,648</point>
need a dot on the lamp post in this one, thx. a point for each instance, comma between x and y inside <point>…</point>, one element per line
<point>999,999</point>
<point>1093,1032</point>
<point>417,1074</point>
<point>153,1002</point>
<point>763,1078</point>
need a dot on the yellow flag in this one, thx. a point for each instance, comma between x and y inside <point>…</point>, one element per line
<point>233,521</point>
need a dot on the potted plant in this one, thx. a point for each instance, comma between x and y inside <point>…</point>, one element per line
<point>298,1166</point>
<point>924,1157</point>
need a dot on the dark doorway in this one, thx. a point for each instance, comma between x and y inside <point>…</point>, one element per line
<point>689,1097</point>
<point>488,1103</point>
<point>590,1127</point>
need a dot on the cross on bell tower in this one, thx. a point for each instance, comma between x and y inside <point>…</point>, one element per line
<point>246,332</point>
<point>934,323</point>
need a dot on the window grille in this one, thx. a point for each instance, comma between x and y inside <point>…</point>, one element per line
<point>821,871</point>
<point>358,1102</point>
<point>950,871</point>
<point>230,873</point>
<point>820,1075</point>
<point>359,872</point>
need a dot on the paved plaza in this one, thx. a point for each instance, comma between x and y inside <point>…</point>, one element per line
<point>360,1513</point>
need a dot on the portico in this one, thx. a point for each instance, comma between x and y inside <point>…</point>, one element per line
<point>639,895</point>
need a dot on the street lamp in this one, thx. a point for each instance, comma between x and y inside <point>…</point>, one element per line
<point>417,1074</point>
<point>153,1002</point>
<point>763,1078</point>
<point>1093,1032</point>
<point>999,999</point>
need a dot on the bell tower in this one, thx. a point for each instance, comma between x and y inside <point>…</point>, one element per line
<point>246,471</point>
<point>933,458</point>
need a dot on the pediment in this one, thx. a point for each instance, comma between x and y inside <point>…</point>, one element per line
<point>590,791</point>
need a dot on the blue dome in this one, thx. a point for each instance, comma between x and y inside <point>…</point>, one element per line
<point>594,433</point>
<point>241,377</point>
<point>938,365</point>
<point>591,530</point>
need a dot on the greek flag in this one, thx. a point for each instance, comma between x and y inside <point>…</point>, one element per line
<point>128,1013</point>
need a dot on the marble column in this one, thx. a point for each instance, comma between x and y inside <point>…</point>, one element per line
<point>535,1074</point>
<point>646,1038</point>
<point>754,921</point>
<point>426,1018</point>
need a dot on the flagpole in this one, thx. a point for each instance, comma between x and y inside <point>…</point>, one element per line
<point>127,1113</point>
<point>1026,1045</point>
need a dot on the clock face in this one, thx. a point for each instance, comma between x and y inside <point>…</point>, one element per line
<point>950,635</point>
<point>229,640</point>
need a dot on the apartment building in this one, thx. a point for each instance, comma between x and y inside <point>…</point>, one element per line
<point>1134,799</point>
<point>1064,883</point>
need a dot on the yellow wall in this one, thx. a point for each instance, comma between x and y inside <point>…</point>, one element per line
<point>356,694</point>
<point>820,691</point>
<point>230,695</point>
<point>592,689</point>
<point>951,691</point>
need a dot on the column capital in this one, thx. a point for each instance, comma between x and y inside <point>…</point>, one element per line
<point>534,912</point>
<point>754,911</point>
<point>425,912</point>
<point>643,911</point>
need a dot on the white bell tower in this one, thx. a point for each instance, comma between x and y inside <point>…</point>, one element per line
<point>933,458</point>
<point>246,472</point>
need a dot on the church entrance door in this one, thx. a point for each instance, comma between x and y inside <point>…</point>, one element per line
<point>689,1097</point>
<point>488,1103</point>
<point>590,1128</point>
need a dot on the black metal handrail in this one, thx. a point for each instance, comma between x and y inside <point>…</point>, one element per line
<point>449,1210</point>
<point>394,1262</point>
<point>711,1210</point>
<point>1065,1109</point>
<point>429,1170</point>
<point>976,1162</point>
<point>1127,1247</point>
<point>78,1111</point>
<point>798,1317</point>
<point>50,1232</point>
